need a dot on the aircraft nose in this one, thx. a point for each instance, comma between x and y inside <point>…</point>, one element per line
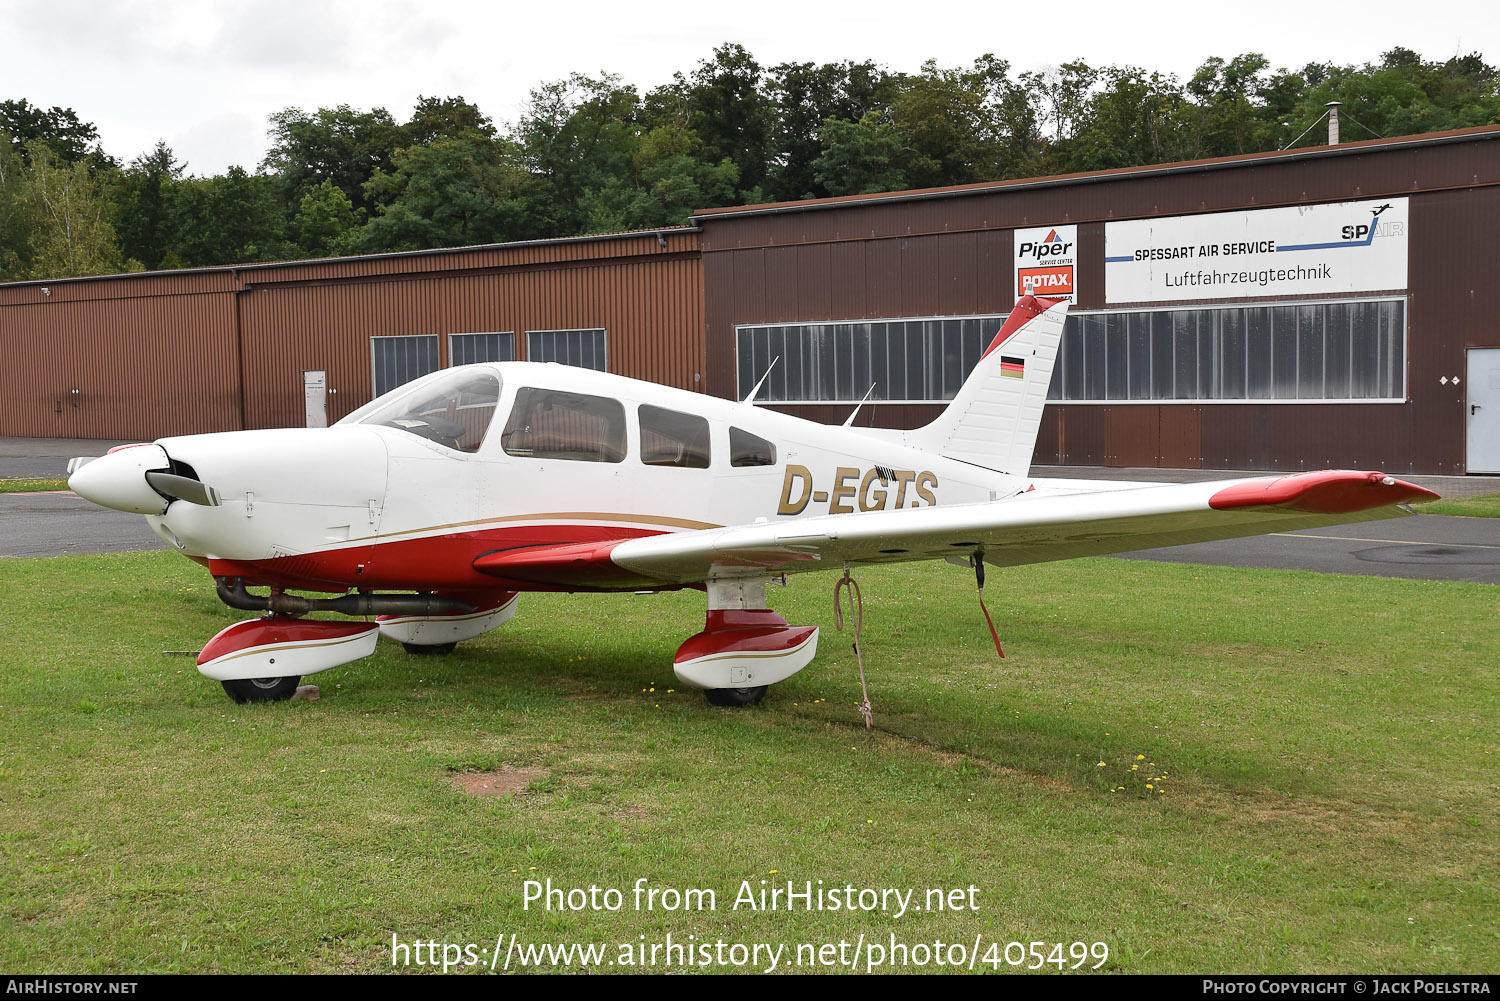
<point>118,480</point>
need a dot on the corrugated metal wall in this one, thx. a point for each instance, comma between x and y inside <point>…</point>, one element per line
<point>950,255</point>
<point>215,350</point>
<point>118,359</point>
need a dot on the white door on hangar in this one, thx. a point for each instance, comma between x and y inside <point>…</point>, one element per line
<point>1484,410</point>
<point>315,391</point>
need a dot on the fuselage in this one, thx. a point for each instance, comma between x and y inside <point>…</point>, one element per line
<point>408,491</point>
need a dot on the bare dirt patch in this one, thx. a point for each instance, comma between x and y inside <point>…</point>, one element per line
<point>506,781</point>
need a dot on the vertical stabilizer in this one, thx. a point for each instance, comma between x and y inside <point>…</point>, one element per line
<point>994,419</point>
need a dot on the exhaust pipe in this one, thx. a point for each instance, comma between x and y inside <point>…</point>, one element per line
<point>232,592</point>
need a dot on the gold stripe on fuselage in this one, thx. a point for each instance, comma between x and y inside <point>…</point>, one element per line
<point>549,516</point>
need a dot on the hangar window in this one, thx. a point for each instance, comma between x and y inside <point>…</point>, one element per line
<point>467,349</point>
<point>395,361</point>
<point>915,360</point>
<point>669,438</point>
<point>551,424</point>
<point>583,348</point>
<point>1298,351</point>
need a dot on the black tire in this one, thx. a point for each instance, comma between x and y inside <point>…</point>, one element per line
<point>262,689</point>
<point>735,696</point>
<point>429,649</point>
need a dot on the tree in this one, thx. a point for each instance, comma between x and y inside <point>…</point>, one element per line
<point>436,118</point>
<point>1134,118</point>
<point>326,221</point>
<point>667,182</point>
<point>142,217</point>
<point>456,192</point>
<point>731,114</point>
<point>340,144</point>
<point>805,97</point>
<point>69,138</point>
<point>15,229</point>
<point>960,126</point>
<point>1228,101</point>
<point>575,135</point>
<point>859,157</point>
<point>65,210</point>
<point>235,218</point>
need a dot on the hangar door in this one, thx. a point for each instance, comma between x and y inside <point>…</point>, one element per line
<point>1484,410</point>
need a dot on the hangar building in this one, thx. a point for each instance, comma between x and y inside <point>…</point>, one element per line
<point>1331,306</point>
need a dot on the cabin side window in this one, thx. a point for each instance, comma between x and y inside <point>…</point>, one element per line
<point>551,424</point>
<point>746,449</point>
<point>669,438</point>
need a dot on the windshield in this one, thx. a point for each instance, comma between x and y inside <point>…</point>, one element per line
<point>455,411</point>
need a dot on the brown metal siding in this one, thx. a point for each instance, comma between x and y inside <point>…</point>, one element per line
<point>118,368</point>
<point>160,354</point>
<point>952,255</point>
<point>652,313</point>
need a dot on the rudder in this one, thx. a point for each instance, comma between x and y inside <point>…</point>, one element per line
<point>994,419</point>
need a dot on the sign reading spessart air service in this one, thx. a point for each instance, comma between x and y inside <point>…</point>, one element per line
<point>1046,259</point>
<point>1347,247</point>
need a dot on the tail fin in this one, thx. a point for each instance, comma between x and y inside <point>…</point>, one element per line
<point>994,419</point>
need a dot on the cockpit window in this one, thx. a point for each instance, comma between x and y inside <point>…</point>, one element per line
<point>552,424</point>
<point>454,411</point>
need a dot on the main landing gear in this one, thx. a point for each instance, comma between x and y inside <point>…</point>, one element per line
<point>744,646</point>
<point>261,689</point>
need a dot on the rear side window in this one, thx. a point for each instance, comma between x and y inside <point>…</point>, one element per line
<point>551,424</point>
<point>669,438</point>
<point>746,449</point>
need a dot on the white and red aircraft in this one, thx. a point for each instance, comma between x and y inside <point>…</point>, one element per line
<point>465,487</point>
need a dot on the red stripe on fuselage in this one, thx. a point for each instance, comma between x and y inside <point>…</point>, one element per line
<point>445,562</point>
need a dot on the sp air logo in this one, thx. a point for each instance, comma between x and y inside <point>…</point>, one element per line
<point>1366,233</point>
<point>1052,246</point>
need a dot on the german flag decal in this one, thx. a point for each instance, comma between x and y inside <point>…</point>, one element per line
<point>1013,368</point>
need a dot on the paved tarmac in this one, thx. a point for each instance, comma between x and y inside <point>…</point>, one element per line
<point>1424,547</point>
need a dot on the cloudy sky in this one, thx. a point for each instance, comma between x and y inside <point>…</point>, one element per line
<point>205,74</point>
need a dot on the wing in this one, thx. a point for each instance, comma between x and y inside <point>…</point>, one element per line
<point>1030,528</point>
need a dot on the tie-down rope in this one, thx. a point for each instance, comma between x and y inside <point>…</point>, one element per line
<point>857,613</point>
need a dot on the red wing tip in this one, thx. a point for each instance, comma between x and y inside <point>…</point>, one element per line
<point>1329,491</point>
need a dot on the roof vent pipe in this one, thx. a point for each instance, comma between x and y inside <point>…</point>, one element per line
<point>1333,121</point>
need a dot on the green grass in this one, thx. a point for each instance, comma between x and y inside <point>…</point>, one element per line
<point>1483,506</point>
<point>1322,753</point>
<point>27,484</point>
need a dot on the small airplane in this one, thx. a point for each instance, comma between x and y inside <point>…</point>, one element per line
<point>433,507</point>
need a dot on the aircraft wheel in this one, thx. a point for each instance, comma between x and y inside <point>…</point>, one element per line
<point>735,696</point>
<point>261,689</point>
<point>428,649</point>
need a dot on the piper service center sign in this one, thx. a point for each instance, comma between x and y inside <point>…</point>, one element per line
<point>1046,258</point>
<point>1308,250</point>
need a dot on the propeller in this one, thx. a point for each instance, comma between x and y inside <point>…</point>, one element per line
<point>187,488</point>
<point>139,478</point>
